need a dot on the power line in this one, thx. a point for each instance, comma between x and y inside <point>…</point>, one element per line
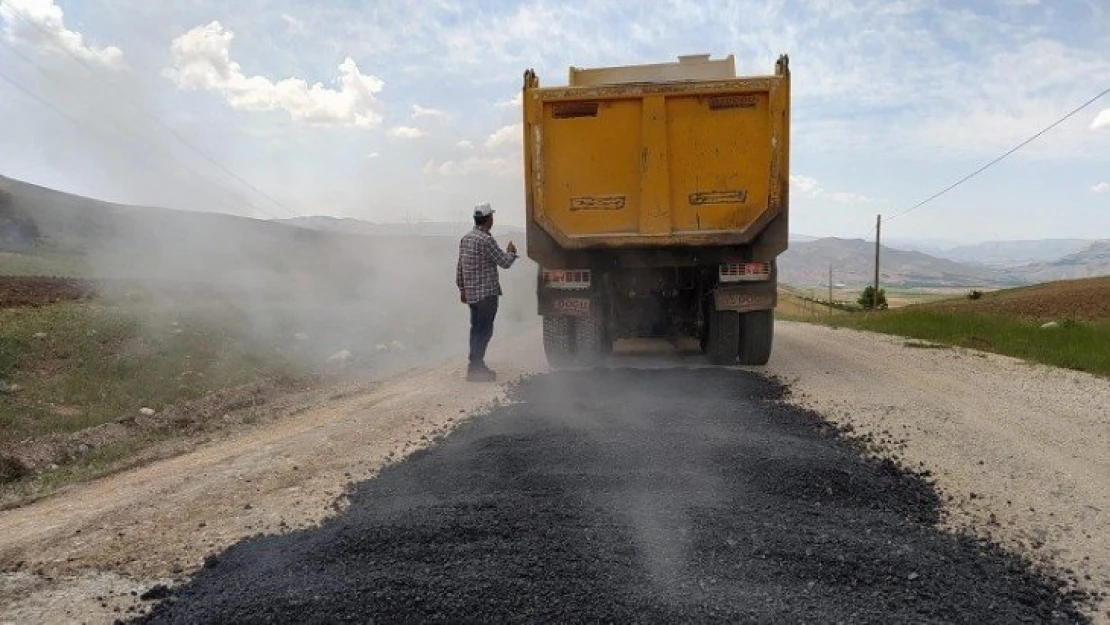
<point>99,75</point>
<point>1000,158</point>
<point>43,101</point>
<point>107,139</point>
<point>1073,113</point>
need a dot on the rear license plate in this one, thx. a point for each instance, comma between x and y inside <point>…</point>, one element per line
<point>741,301</point>
<point>573,306</point>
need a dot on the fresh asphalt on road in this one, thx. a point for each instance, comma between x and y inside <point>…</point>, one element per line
<point>629,495</point>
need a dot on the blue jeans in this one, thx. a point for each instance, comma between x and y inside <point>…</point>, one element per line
<point>482,314</point>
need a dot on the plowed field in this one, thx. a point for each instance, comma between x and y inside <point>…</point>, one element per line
<point>1084,300</point>
<point>18,291</point>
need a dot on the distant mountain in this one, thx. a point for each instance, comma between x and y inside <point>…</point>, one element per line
<point>1008,254</point>
<point>349,225</point>
<point>46,231</point>
<point>43,231</point>
<point>1090,262</point>
<point>852,261</point>
<point>932,247</point>
<point>801,238</point>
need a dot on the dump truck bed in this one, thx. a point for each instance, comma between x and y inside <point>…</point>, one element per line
<point>644,162</point>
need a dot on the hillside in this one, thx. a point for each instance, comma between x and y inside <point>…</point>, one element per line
<point>349,225</point>
<point>48,232</point>
<point>1086,300</point>
<point>852,261</point>
<point>335,289</point>
<point>1089,262</point>
<point>1014,322</point>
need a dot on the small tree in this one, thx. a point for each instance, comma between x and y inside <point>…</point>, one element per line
<point>867,299</point>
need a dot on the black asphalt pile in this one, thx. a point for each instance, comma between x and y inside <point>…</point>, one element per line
<point>630,496</point>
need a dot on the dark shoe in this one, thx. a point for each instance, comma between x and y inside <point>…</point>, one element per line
<point>480,375</point>
<point>479,372</point>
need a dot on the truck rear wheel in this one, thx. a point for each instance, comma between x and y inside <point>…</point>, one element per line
<point>723,343</point>
<point>591,342</point>
<point>559,341</point>
<point>757,332</point>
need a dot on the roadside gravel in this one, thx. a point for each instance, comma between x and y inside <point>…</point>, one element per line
<point>1021,452</point>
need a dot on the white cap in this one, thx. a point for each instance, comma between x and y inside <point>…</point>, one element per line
<point>483,210</point>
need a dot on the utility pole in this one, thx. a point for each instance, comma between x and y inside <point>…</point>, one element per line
<point>830,289</point>
<point>878,236</point>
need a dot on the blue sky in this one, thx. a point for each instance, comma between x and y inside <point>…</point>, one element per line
<point>393,110</point>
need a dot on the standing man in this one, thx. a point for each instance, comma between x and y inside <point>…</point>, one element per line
<point>480,288</point>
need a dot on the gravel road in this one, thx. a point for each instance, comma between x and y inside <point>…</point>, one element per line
<point>725,502</point>
<point>630,495</point>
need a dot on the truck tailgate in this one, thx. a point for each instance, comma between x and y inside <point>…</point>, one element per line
<point>657,164</point>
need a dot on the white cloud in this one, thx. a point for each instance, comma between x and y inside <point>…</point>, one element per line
<point>513,102</point>
<point>510,135</point>
<point>465,145</point>
<point>1102,187</point>
<point>420,111</point>
<point>41,24</point>
<point>406,132</point>
<point>202,62</point>
<point>810,188</point>
<point>898,8</point>
<point>497,166</point>
<point>804,184</point>
<point>295,25</point>
<point>373,155</point>
<point>1102,120</point>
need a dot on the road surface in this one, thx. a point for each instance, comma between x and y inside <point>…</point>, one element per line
<point>655,490</point>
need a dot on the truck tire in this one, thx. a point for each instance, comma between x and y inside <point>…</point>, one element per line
<point>724,337</point>
<point>757,332</point>
<point>558,341</point>
<point>591,343</point>
<point>706,319</point>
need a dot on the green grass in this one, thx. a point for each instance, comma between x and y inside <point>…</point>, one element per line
<point>100,461</point>
<point>93,363</point>
<point>1083,346</point>
<point>47,263</point>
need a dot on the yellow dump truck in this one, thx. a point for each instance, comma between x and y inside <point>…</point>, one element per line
<point>657,199</point>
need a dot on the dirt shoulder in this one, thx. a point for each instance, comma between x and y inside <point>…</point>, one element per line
<point>92,550</point>
<point>1021,451</point>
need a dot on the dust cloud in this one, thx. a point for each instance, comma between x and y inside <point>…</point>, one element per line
<point>327,300</point>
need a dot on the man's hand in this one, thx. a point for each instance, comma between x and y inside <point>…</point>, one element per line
<point>462,296</point>
<point>511,248</point>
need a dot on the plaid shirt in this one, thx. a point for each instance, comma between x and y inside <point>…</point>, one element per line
<point>479,257</point>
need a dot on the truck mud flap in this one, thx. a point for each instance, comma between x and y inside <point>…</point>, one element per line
<point>743,300</point>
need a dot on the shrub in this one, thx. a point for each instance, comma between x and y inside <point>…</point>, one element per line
<point>868,300</point>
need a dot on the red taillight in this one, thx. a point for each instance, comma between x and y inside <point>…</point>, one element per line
<point>745,272</point>
<point>567,278</point>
